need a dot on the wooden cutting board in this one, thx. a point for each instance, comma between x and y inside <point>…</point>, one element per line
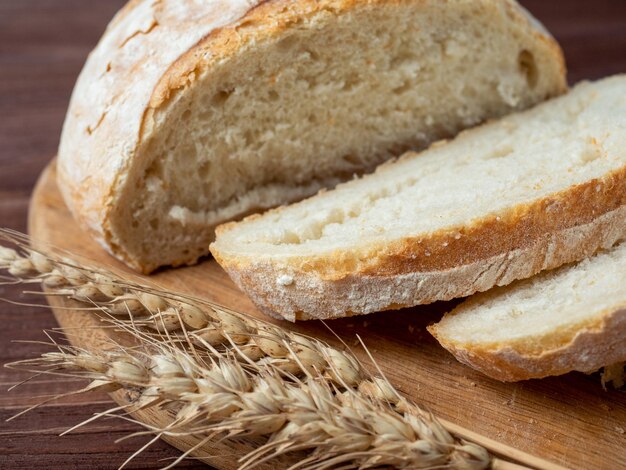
<point>568,420</point>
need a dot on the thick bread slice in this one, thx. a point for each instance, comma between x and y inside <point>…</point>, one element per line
<point>501,202</point>
<point>191,113</point>
<point>573,318</point>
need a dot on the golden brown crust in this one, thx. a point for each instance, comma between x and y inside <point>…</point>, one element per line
<point>517,228</point>
<point>270,18</point>
<point>310,296</point>
<point>584,347</point>
<point>114,122</point>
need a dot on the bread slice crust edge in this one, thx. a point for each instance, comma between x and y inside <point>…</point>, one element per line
<point>584,348</point>
<point>496,250</point>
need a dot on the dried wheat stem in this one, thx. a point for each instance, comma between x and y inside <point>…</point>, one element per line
<point>227,399</point>
<point>259,378</point>
<point>207,325</point>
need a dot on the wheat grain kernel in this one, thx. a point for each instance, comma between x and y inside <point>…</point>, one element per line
<point>108,286</point>
<point>165,321</point>
<point>55,281</point>
<point>74,276</point>
<point>127,372</point>
<point>236,329</point>
<point>41,262</point>
<point>88,362</point>
<point>164,366</point>
<point>193,316</point>
<point>271,345</point>
<point>176,386</point>
<point>211,335</point>
<point>151,302</point>
<point>343,370</point>
<point>89,293</point>
<point>127,305</point>
<point>21,267</point>
<point>7,255</point>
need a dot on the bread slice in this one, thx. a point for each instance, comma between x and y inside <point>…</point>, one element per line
<point>500,202</point>
<point>573,318</point>
<point>192,113</point>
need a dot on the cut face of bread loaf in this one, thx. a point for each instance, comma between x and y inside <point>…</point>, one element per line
<point>189,114</point>
<point>573,318</point>
<point>501,202</point>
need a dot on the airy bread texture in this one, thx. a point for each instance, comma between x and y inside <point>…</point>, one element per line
<point>573,318</point>
<point>189,114</point>
<point>499,203</point>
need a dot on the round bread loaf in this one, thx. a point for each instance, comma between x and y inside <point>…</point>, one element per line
<point>191,113</point>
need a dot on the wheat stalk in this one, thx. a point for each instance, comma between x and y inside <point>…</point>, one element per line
<point>182,319</point>
<point>250,378</point>
<point>339,426</point>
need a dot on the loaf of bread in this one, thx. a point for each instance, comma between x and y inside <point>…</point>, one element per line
<point>501,202</point>
<point>572,318</point>
<point>189,113</point>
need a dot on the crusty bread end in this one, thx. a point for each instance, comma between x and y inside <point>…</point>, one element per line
<point>569,319</point>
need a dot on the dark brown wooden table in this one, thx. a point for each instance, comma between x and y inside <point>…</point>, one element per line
<point>43,44</point>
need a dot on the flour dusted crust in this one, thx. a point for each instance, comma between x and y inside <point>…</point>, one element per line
<point>151,54</point>
<point>137,65</point>
<point>584,348</point>
<point>494,251</point>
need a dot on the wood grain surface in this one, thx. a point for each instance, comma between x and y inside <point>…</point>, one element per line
<point>43,44</point>
<point>542,417</point>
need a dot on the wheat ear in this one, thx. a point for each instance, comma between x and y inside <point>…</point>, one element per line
<point>182,323</point>
<point>181,319</point>
<point>217,398</point>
